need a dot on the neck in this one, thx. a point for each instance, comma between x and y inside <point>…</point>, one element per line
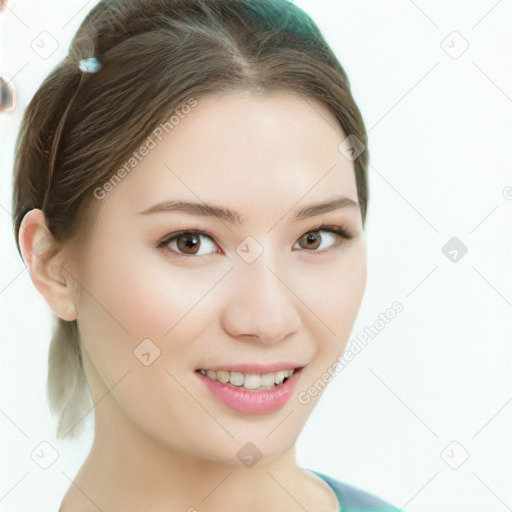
<point>126,469</point>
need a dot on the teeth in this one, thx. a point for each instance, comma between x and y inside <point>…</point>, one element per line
<point>222,376</point>
<point>278,379</point>
<point>235,378</point>
<point>267,379</point>
<point>251,381</point>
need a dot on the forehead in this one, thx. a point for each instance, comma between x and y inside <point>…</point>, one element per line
<point>246,150</point>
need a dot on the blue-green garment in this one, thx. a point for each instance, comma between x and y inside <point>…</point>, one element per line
<point>353,499</point>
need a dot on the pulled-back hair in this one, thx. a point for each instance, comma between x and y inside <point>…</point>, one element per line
<point>156,55</point>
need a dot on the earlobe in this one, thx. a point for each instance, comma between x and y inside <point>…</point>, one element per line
<point>44,260</point>
<point>67,311</point>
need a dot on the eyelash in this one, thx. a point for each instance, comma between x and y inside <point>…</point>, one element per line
<point>345,234</point>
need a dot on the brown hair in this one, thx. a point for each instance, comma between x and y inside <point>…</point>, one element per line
<point>156,55</point>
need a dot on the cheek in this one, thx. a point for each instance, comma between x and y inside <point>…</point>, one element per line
<point>333,292</point>
<point>135,292</point>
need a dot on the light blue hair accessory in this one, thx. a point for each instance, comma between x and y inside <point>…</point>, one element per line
<point>90,65</point>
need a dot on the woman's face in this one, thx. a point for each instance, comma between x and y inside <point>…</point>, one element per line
<point>261,288</point>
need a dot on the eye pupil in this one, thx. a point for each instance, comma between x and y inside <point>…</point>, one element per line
<point>188,244</point>
<point>312,238</point>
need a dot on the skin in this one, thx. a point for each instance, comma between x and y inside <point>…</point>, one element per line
<point>160,436</point>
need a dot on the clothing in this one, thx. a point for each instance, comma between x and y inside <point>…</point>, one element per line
<point>352,499</point>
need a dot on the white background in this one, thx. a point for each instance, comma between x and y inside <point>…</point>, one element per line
<point>440,155</point>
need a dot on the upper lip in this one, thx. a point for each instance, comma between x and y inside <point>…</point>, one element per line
<point>255,368</point>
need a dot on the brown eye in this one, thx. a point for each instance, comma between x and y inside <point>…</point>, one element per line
<point>185,243</point>
<point>188,243</point>
<point>313,240</point>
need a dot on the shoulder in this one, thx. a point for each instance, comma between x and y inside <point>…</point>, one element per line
<point>354,499</point>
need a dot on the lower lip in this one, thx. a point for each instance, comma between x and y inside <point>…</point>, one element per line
<point>252,402</point>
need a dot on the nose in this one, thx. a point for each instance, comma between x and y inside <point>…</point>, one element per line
<point>260,303</point>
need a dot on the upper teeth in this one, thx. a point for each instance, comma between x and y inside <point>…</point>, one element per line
<point>255,381</point>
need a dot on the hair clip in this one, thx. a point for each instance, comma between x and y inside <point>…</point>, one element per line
<point>90,65</point>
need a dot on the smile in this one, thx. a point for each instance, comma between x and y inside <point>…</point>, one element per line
<point>250,381</point>
<point>251,393</point>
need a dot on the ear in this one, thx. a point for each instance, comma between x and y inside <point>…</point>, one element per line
<point>45,261</point>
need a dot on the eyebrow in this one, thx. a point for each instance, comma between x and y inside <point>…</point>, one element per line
<point>209,210</point>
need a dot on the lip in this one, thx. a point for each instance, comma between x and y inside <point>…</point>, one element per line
<point>255,368</point>
<point>252,401</point>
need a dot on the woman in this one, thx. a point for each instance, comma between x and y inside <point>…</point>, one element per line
<point>190,194</point>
